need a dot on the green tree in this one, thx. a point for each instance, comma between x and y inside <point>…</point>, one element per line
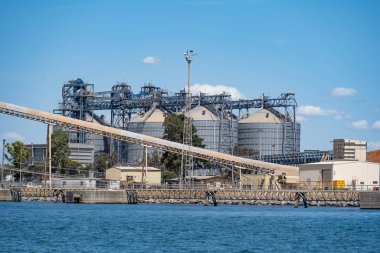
<point>16,151</point>
<point>173,126</point>
<point>105,161</point>
<point>245,152</point>
<point>60,150</point>
<point>154,159</point>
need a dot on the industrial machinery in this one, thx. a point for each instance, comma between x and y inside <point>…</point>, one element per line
<point>80,101</point>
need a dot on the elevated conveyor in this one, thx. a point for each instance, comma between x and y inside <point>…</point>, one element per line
<point>155,143</point>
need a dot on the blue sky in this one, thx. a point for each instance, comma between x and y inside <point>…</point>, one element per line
<point>326,52</point>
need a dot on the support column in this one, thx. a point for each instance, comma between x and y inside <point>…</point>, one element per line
<point>144,168</point>
<point>48,150</point>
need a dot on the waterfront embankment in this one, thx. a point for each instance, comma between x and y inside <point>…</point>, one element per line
<point>343,198</point>
<point>190,196</point>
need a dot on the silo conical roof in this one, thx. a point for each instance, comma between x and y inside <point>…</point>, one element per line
<point>202,113</point>
<point>261,116</point>
<point>153,115</point>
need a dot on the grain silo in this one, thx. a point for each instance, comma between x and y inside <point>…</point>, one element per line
<point>151,123</point>
<point>213,130</point>
<point>266,131</point>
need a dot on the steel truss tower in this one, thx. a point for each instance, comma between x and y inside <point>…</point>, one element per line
<point>120,116</point>
<point>77,103</point>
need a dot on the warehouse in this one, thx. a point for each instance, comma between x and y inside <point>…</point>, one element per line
<point>355,175</point>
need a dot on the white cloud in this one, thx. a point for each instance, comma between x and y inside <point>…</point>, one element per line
<point>312,111</point>
<point>373,145</point>
<point>13,136</point>
<point>360,124</point>
<point>216,90</point>
<point>151,60</point>
<point>376,125</point>
<point>343,92</point>
<point>301,118</point>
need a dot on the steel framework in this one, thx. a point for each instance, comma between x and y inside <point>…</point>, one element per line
<point>123,104</point>
<point>77,99</point>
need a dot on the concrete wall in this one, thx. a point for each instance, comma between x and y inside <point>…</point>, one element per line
<point>369,200</point>
<point>5,195</point>
<point>106,197</point>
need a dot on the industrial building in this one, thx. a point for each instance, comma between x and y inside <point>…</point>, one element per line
<point>355,175</point>
<point>130,175</point>
<point>346,149</point>
<point>349,169</point>
<point>215,116</point>
<point>79,152</point>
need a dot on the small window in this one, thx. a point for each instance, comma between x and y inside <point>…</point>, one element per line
<point>64,183</point>
<point>361,182</point>
<point>81,183</point>
<point>375,182</point>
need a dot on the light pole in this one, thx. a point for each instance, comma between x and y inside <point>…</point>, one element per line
<point>2,163</point>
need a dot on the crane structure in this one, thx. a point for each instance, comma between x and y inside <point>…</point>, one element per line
<point>145,140</point>
<point>80,101</point>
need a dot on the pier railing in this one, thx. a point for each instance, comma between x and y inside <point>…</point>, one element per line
<point>302,186</point>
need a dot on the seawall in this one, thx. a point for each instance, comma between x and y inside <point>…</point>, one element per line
<point>369,200</point>
<point>5,195</point>
<point>248,197</point>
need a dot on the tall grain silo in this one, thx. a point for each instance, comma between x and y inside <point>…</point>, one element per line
<point>213,130</point>
<point>151,123</point>
<point>267,132</point>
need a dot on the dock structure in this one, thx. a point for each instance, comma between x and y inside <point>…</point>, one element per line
<point>187,196</point>
<point>145,140</point>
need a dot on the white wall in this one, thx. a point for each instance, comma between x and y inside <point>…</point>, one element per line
<point>310,175</point>
<point>365,173</point>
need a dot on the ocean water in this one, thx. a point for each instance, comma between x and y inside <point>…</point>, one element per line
<point>59,227</point>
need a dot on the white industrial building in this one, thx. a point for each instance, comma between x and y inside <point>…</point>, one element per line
<point>348,170</point>
<point>356,175</point>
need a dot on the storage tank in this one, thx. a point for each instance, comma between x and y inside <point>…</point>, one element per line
<point>209,126</point>
<point>266,132</point>
<point>151,123</point>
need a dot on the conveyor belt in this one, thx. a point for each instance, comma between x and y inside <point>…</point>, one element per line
<point>155,143</point>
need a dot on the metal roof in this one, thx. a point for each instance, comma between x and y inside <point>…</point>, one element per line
<point>261,116</point>
<point>202,113</point>
<point>154,115</point>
